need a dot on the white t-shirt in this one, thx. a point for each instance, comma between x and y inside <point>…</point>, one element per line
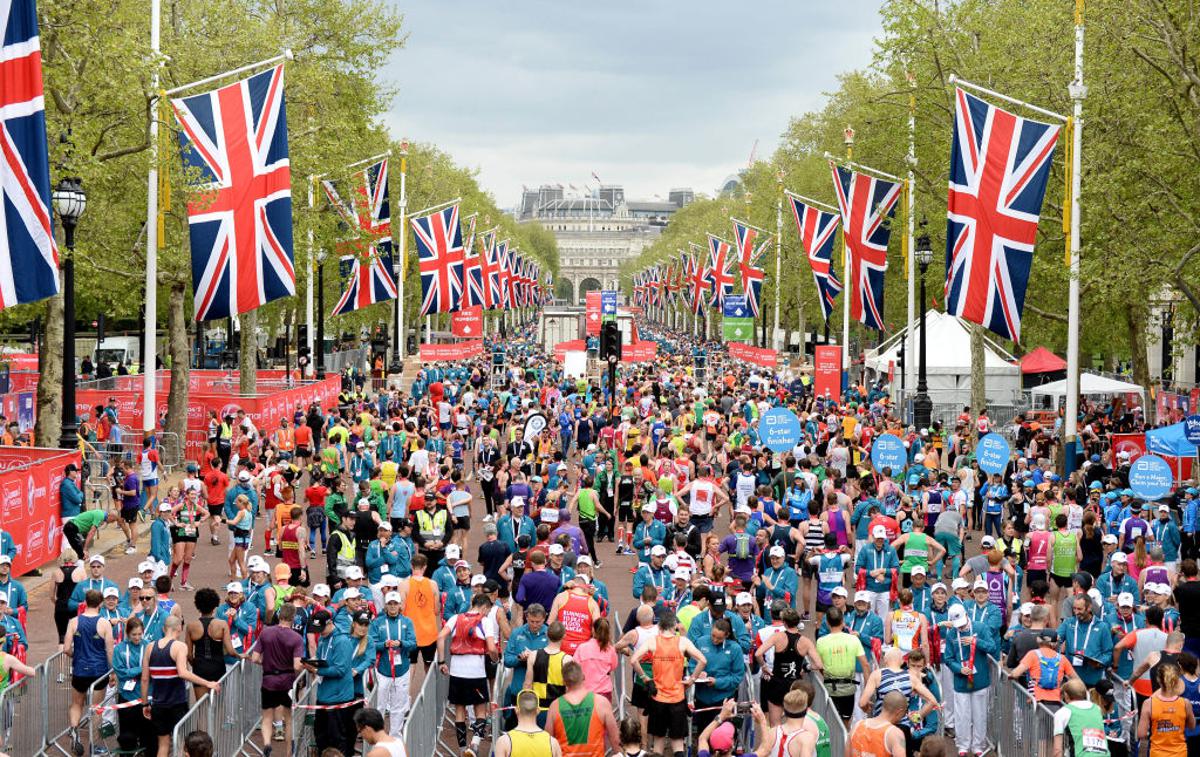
<point>472,665</point>
<point>703,495</point>
<point>444,409</point>
<point>459,502</point>
<point>743,487</point>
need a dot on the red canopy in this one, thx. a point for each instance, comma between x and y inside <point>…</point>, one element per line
<point>1042,360</point>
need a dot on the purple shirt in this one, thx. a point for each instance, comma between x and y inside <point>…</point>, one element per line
<point>577,542</point>
<point>130,484</point>
<point>280,647</point>
<point>540,586</point>
<point>1128,527</point>
<point>740,568</point>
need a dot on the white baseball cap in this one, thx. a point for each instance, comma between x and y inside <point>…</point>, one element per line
<point>165,507</point>
<point>3,598</point>
<point>776,551</point>
<point>919,570</point>
<point>556,549</point>
<point>987,541</point>
<point>146,566</point>
<point>1164,509</point>
<point>840,591</point>
<point>391,596</point>
<point>351,593</point>
<point>960,583</point>
<point>321,590</point>
<point>111,591</point>
<point>1110,539</point>
<point>744,598</point>
<point>583,560</point>
<point>94,560</point>
<point>657,550</point>
<point>453,552</point>
<point>1120,557</point>
<point>478,580</point>
<point>862,596</point>
<point>135,583</point>
<point>1124,599</point>
<point>244,476</point>
<point>233,587</point>
<point>389,579</point>
<point>5,560</point>
<point>958,616</point>
<point>354,573</point>
<point>257,565</point>
<point>979,584</point>
<point>682,574</point>
<point>939,586</point>
<point>1160,589</point>
<point>879,532</point>
<point>1027,608</point>
<point>363,501</point>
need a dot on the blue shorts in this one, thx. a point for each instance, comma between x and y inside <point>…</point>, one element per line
<point>150,482</point>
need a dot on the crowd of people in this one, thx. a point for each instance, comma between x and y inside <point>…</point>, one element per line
<point>463,524</point>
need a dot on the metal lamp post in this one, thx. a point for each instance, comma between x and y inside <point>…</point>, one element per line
<point>922,404</point>
<point>397,365</point>
<point>70,202</point>
<point>320,315</point>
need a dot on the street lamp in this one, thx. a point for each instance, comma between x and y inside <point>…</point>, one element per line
<point>320,315</point>
<point>922,405</point>
<point>398,266</point>
<point>70,202</point>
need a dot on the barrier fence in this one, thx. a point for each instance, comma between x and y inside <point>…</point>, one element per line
<point>22,714</point>
<point>422,732</point>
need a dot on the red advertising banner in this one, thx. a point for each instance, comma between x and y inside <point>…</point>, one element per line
<point>467,322</point>
<point>1135,445</point>
<point>827,369</point>
<point>20,361</point>
<point>572,345</point>
<point>30,505</point>
<point>639,352</point>
<point>1172,407</point>
<point>592,313</point>
<point>760,356</point>
<point>457,351</point>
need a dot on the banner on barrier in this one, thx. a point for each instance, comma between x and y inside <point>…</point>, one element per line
<point>760,356</point>
<point>467,322</point>
<point>571,345</point>
<point>639,352</point>
<point>30,503</point>
<point>456,351</point>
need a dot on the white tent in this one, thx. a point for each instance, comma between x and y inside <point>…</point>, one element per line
<point>948,362</point>
<point>1089,384</point>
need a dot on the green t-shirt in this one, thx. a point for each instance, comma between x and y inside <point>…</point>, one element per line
<point>686,615</point>
<point>823,749</point>
<point>88,519</point>
<point>1063,562</point>
<point>587,504</point>
<point>839,652</point>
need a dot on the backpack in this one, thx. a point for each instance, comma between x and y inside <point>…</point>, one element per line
<point>1048,679</point>
<point>741,545</point>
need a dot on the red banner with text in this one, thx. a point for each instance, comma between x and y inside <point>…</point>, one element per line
<point>571,345</point>
<point>592,312</point>
<point>827,372</point>
<point>30,503</point>
<point>639,352</point>
<point>467,322</point>
<point>456,351</point>
<point>760,356</point>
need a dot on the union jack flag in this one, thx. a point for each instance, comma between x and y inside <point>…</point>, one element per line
<point>719,279</point>
<point>752,276</point>
<point>516,279</point>
<point>504,275</point>
<point>368,214</point>
<point>490,271</point>
<point>818,230</point>
<point>480,272</point>
<point>240,223</point>
<point>28,253</point>
<point>867,204</point>
<point>639,290</point>
<point>697,281</point>
<point>999,166</point>
<point>440,254</point>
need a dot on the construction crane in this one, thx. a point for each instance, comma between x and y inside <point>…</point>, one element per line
<point>753,151</point>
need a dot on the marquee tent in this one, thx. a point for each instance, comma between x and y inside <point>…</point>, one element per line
<point>1090,384</point>
<point>1041,366</point>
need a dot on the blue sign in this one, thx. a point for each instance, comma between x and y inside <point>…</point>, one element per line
<point>1150,477</point>
<point>608,302</point>
<point>993,453</point>
<point>735,306</point>
<point>1191,429</point>
<point>887,451</point>
<point>780,429</point>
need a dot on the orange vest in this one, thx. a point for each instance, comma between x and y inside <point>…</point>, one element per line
<point>285,438</point>
<point>421,607</point>
<point>666,665</point>
<point>870,741</point>
<point>1167,722</point>
<point>568,728</point>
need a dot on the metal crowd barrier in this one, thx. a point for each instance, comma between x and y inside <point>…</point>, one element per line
<point>422,733</point>
<point>218,714</point>
<point>1030,732</point>
<point>499,687</point>
<point>822,704</point>
<point>55,676</point>
<point>304,696</point>
<point>22,716</point>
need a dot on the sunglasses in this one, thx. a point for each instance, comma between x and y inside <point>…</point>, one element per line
<point>146,599</point>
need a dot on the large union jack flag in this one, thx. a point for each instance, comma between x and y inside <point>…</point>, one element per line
<point>697,280</point>
<point>867,204</point>
<point>480,272</point>
<point>751,275</point>
<point>28,253</point>
<point>234,139</point>
<point>999,166</point>
<point>367,213</point>
<point>720,280</point>
<point>818,230</point>
<point>504,275</point>
<point>440,255</point>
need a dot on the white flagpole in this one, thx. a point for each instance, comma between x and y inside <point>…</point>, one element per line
<point>775,334</point>
<point>308,290</point>
<point>403,264</point>
<point>909,351</point>
<point>1078,92</point>
<point>848,136</point>
<point>149,375</point>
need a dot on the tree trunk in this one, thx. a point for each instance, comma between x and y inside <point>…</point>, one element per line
<point>178,349</point>
<point>48,425</point>
<point>978,366</point>
<point>1135,322</point>
<point>248,354</point>
<point>803,323</point>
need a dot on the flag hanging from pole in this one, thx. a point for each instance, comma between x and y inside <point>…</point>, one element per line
<point>751,275</point>
<point>698,283</point>
<point>999,167</point>
<point>818,230</point>
<point>366,212</point>
<point>867,204</point>
<point>503,275</point>
<point>28,252</point>
<point>240,222</point>
<point>440,257</point>
<point>719,279</point>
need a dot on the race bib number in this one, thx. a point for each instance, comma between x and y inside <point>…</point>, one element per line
<point>129,685</point>
<point>385,568</point>
<point>1135,532</point>
<point>1094,741</point>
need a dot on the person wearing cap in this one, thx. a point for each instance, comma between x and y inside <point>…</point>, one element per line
<point>1159,595</point>
<point>743,605</point>
<point>353,601</point>
<point>1189,515</point>
<point>70,494</point>
<point>878,568</point>
<point>516,523</point>
<point>240,617</point>
<point>333,659</point>
<point>94,581</point>
<point>654,572</point>
<point>1165,532</point>
<point>778,580</point>
<point>1086,641</point>
<point>966,655</point>
<point>457,598</point>
<point>161,541</point>
<point>724,671</point>
<point>585,567</point>
<point>393,639</point>
<point>382,557</point>
<point>987,612</point>
<point>432,533</point>
<point>111,609</point>
<point>648,534</point>
<point>1123,619</point>
<point>713,606</point>
<point>243,486</point>
<point>341,551</point>
<point>1116,579</point>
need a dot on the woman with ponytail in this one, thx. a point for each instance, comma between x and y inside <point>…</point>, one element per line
<point>1166,715</point>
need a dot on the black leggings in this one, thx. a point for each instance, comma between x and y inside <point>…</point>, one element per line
<point>490,500</point>
<point>136,732</point>
<point>588,527</point>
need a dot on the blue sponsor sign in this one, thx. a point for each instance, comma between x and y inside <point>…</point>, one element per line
<point>888,451</point>
<point>1191,429</point>
<point>735,306</point>
<point>993,453</point>
<point>608,302</point>
<point>780,429</point>
<point>1150,477</point>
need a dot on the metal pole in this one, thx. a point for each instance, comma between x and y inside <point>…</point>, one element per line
<point>775,335</point>
<point>308,293</point>
<point>402,333</point>
<point>910,209</point>
<point>149,375</point>
<point>69,436</point>
<point>321,320</point>
<point>1078,92</point>
<point>846,283</point>
<point>922,406</point>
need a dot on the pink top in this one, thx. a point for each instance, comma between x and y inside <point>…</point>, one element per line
<point>1039,550</point>
<point>597,666</point>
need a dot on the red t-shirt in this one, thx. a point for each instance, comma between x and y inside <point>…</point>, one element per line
<point>315,495</point>
<point>216,483</point>
<point>303,436</point>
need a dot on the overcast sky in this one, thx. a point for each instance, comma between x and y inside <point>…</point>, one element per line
<point>648,94</point>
